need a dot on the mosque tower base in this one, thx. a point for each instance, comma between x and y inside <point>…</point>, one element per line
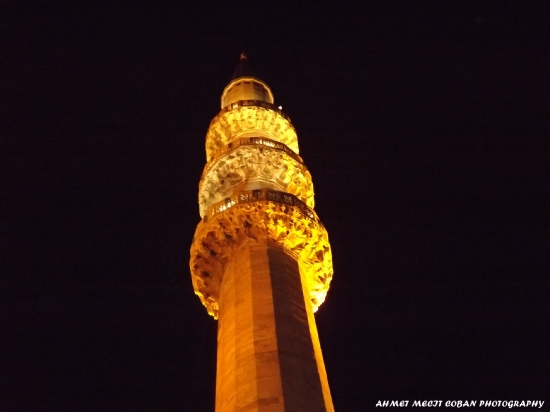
<point>269,357</point>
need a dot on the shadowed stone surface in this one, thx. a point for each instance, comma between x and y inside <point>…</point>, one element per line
<point>267,357</point>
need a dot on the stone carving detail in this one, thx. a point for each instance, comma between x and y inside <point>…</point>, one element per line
<point>259,141</point>
<point>227,126</point>
<point>218,236</point>
<point>253,161</point>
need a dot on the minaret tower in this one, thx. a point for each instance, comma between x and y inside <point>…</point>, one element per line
<point>261,261</point>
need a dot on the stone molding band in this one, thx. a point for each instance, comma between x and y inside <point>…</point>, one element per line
<point>253,141</point>
<point>275,196</point>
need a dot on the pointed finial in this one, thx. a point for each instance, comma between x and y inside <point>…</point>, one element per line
<point>243,68</point>
<point>240,87</point>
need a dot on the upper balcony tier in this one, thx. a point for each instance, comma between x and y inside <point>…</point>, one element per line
<point>247,118</point>
<point>246,88</point>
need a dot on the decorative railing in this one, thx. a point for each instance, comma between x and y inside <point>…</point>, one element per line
<point>257,141</point>
<point>249,196</point>
<point>243,103</point>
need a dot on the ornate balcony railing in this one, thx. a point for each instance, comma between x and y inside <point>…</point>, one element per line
<point>263,141</point>
<point>259,103</point>
<point>246,116</point>
<point>249,196</point>
<point>255,141</point>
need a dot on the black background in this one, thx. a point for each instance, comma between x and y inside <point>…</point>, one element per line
<point>424,125</point>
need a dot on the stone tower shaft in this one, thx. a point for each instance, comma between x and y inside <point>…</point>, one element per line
<point>261,261</point>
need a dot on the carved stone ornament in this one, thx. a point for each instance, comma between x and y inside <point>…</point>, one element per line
<point>253,161</point>
<point>228,124</point>
<point>217,236</point>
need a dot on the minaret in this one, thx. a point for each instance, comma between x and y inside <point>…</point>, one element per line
<point>261,261</point>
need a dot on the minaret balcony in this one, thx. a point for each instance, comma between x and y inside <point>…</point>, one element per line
<point>254,158</point>
<point>245,117</point>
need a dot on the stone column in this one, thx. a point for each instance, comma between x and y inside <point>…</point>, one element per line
<point>269,358</point>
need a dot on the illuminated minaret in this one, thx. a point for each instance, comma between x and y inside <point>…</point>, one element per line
<point>261,261</point>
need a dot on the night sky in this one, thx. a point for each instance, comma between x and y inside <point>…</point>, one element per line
<point>424,125</point>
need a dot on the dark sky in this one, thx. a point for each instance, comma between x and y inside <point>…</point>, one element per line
<point>424,125</point>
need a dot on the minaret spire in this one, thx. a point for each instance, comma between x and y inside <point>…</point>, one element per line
<point>245,86</point>
<point>243,68</point>
<point>261,261</point>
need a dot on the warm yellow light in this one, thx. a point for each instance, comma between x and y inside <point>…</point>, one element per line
<point>262,119</point>
<point>260,257</point>
<point>258,158</point>
<point>254,219</point>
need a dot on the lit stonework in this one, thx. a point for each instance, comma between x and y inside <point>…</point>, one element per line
<point>256,157</point>
<point>260,260</point>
